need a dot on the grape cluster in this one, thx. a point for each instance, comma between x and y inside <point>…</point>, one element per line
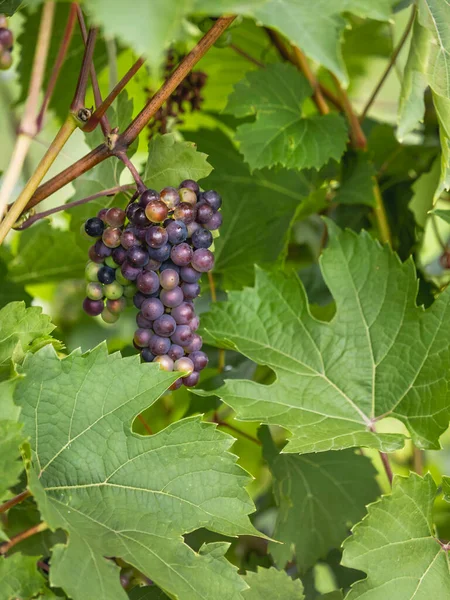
<point>6,44</point>
<point>155,253</point>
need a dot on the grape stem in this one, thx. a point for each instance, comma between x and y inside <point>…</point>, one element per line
<point>380,216</point>
<point>246,55</point>
<point>385,460</point>
<point>357,135</point>
<point>4,548</point>
<point>236,430</point>
<point>122,156</point>
<point>13,501</point>
<point>145,424</point>
<point>302,63</point>
<point>79,99</point>
<point>27,128</point>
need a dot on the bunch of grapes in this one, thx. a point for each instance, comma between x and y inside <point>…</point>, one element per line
<point>155,253</point>
<point>6,44</point>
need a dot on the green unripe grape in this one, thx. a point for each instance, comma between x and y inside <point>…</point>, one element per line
<point>121,279</point>
<point>225,40</point>
<point>94,290</point>
<point>109,317</point>
<point>129,291</point>
<point>205,24</point>
<point>113,290</point>
<point>91,271</point>
<point>111,263</point>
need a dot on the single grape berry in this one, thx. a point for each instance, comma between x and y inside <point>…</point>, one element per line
<point>94,227</point>
<point>202,238</point>
<point>215,222</point>
<point>110,262</point>
<point>109,317</point>
<point>181,254</point>
<point>176,385</point>
<point>147,282</point>
<point>188,196</point>
<point>200,360</point>
<point>164,325</point>
<point>169,279</point>
<point>152,308</point>
<point>113,290</point>
<point>183,313</point>
<point>139,298</point>
<point>106,274</point>
<point>169,264</point>
<point>142,322</point>
<point>195,344</point>
<point>142,337</point>
<point>190,184</point>
<point>116,306</point>
<point>94,257</point>
<point>146,355</point>
<point>137,256</point>
<point>175,352</point>
<point>6,60</point>
<point>129,271</point>
<point>189,275</point>
<point>156,211</point>
<point>147,197</point>
<point>115,217</point>
<point>176,232</point>
<point>190,290</point>
<point>184,364</point>
<point>119,255</point>
<point>185,212</point>
<point>156,236</point>
<point>165,362</point>
<point>160,254</point>
<point>159,345</point>
<point>170,197</point>
<point>140,218</point>
<point>94,290</point>
<point>152,265</point>
<point>202,260</point>
<point>102,214</point>
<point>213,199</point>
<point>91,271</point>
<point>194,323</point>
<point>101,249</point>
<point>192,227</point>
<point>192,379</point>
<point>182,335</point>
<point>128,239</point>
<point>111,237</point>
<point>131,210</point>
<point>204,212</point>
<point>6,38</point>
<point>172,298</point>
<point>93,307</point>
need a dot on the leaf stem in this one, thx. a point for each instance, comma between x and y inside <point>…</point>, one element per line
<point>79,99</point>
<point>246,55</point>
<point>13,501</point>
<point>380,216</point>
<point>418,460</point>
<point>302,62</point>
<point>4,548</point>
<point>147,427</point>
<point>236,430</point>
<point>357,135</point>
<point>391,63</point>
<point>387,466</point>
<point>27,127</point>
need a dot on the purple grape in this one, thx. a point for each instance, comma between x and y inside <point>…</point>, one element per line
<point>200,360</point>
<point>156,236</point>
<point>147,197</point>
<point>106,274</point>
<point>183,313</point>
<point>195,344</point>
<point>190,184</point>
<point>170,197</point>
<point>169,264</point>
<point>169,279</point>
<point>204,212</point>
<point>160,254</point>
<point>102,250</point>
<point>202,238</point>
<point>202,260</point>
<point>111,237</point>
<point>185,212</point>
<point>215,222</point>
<point>94,227</point>
<point>175,352</point>
<point>164,361</point>
<point>94,256</point>
<point>102,214</point>
<point>93,307</point>
<point>172,298</point>
<point>190,290</point>
<point>176,385</point>
<point>184,364</point>
<point>140,233</point>
<point>194,323</point>
<point>152,265</point>
<point>128,239</point>
<point>139,217</point>
<point>159,345</point>
<point>138,299</point>
<point>148,282</point>
<point>131,210</point>
<point>189,275</point>
<point>164,326</point>
<point>6,38</point>
<point>192,227</point>
<point>129,271</point>
<point>137,256</point>
<point>119,255</point>
<point>183,335</point>
<point>152,308</point>
<point>146,355</point>
<point>213,199</point>
<point>142,322</point>
<point>176,231</point>
<point>142,337</point>
<point>181,254</point>
<point>192,379</point>
<point>115,217</point>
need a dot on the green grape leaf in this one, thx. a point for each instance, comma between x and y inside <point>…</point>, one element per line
<point>395,545</point>
<point>9,7</point>
<point>422,201</point>
<point>148,592</point>
<point>120,494</point>
<point>9,291</point>
<point>442,214</point>
<point>308,524</point>
<point>357,180</point>
<point>380,355</point>
<point>19,577</point>
<point>10,467</point>
<point>245,231</point>
<point>280,135</point>
<point>170,162</point>
<point>446,487</point>
<point>273,584</point>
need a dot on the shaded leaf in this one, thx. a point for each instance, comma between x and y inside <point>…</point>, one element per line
<point>19,578</point>
<point>357,180</point>
<point>446,487</point>
<point>273,584</point>
<point>422,201</point>
<point>10,464</point>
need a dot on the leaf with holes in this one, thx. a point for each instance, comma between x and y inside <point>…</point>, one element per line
<point>379,356</point>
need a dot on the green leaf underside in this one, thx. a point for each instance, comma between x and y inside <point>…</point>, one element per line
<point>245,231</point>
<point>19,577</point>
<point>396,547</point>
<point>308,523</point>
<point>380,355</point>
<point>446,487</point>
<point>280,135</point>
<point>120,494</point>
<point>273,584</point>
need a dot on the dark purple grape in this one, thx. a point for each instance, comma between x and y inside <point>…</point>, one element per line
<point>128,239</point>
<point>172,298</point>
<point>215,222</point>
<point>165,362</point>
<point>142,322</point>
<point>170,197</point>
<point>176,231</point>
<point>192,227</point>
<point>213,199</point>
<point>159,345</point>
<point>102,214</point>
<point>6,38</point>
<point>138,299</point>
<point>94,227</point>
<point>190,290</point>
<point>183,335</point>
<point>116,306</point>
<point>175,352</point>
<point>204,212</point>
<point>140,233</point>
<point>152,265</point>
<point>93,307</point>
<point>200,360</point>
<point>184,364</point>
<point>147,197</point>
<point>102,250</point>
<point>148,282</point>
<point>202,260</point>
<point>185,212</point>
<point>119,255</point>
<point>142,337</point>
<point>176,385</point>
<point>190,184</point>
<point>194,323</point>
<point>164,326</point>
<point>188,196</point>
<point>94,256</point>
<point>156,211</point>
<point>189,275</point>
<point>169,279</point>
<point>115,217</point>
<point>106,274</point>
<point>160,254</point>
<point>156,236</point>
<point>137,256</point>
<point>139,217</point>
<point>183,313</point>
<point>192,379</point>
<point>181,254</point>
<point>129,271</point>
<point>111,237</point>
<point>169,264</point>
<point>202,238</point>
<point>131,210</point>
<point>195,344</point>
<point>152,308</point>
<point>146,355</point>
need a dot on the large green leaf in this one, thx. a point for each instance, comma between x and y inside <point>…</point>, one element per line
<point>422,201</point>
<point>357,180</point>
<point>120,494</point>
<point>273,584</point>
<point>10,467</point>
<point>380,355</point>
<point>256,208</point>
<point>280,135</point>
<point>395,545</point>
<point>308,524</point>
<point>19,578</point>
<point>9,7</point>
